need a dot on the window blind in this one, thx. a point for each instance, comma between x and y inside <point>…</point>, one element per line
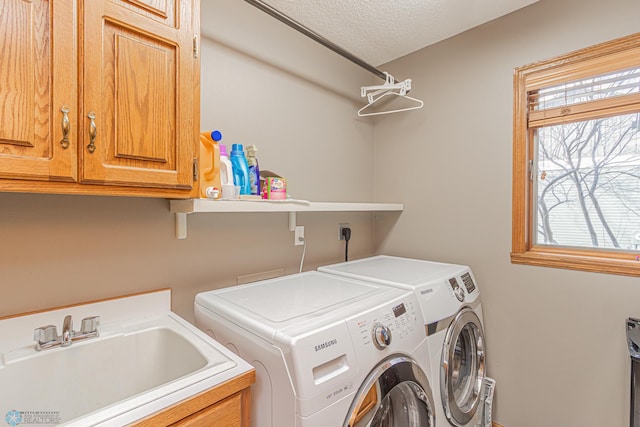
<point>611,93</point>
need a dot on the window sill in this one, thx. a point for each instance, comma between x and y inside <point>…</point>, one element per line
<point>601,262</point>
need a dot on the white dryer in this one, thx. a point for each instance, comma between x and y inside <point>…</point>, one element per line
<point>328,351</point>
<point>450,303</point>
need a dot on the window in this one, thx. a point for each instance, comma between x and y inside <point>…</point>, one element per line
<point>576,160</point>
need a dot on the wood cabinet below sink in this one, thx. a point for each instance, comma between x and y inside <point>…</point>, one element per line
<point>227,405</point>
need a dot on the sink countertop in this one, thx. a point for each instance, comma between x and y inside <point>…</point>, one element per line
<point>123,314</point>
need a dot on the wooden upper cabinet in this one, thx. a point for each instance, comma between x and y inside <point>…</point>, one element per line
<point>38,90</point>
<point>138,90</point>
<point>99,96</point>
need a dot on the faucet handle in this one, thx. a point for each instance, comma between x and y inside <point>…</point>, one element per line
<point>45,335</point>
<point>90,325</point>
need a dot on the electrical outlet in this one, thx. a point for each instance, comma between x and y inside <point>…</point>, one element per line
<point>340,227</point>
<point>298,235</point>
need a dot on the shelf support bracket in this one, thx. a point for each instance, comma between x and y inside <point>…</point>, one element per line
<point>292,221</point>
<point>181,225</point>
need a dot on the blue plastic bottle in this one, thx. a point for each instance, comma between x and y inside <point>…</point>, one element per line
<point>240,169</point>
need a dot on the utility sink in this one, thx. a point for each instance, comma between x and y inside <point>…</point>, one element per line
<point>137,366</point>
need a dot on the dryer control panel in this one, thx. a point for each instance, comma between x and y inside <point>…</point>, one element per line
<point>458,292</point>
<point>463,285</point>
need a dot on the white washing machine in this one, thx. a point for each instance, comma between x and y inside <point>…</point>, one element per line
<point>450,303</point>
<point>328,351</point>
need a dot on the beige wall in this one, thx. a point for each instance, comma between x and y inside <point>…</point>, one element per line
<point>268,87</point>
<point>57,250</point>
<point>556,342</point>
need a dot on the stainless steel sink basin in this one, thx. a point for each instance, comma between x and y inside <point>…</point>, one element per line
<point>107,380</point>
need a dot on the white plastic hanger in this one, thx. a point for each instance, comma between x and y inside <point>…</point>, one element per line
<point>417,105</point>
<point>390,87</point>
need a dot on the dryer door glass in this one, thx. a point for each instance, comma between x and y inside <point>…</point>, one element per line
<point>395,394</point>
<point>462,369</point>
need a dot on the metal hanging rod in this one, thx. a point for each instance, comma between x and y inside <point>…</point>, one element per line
<point>315,36</point>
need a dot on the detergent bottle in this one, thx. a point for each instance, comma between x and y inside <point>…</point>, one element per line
<point>240,169</point>
<point>226,169</point>
<point>209,163</point>
<point>254,170</point>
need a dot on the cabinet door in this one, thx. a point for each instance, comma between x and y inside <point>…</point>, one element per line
<point>37,37</point>
<point>138,84</point>
<point>227,413</point>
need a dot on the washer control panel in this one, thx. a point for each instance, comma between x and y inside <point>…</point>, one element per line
<point>390,326</point>
<point>381,335</point>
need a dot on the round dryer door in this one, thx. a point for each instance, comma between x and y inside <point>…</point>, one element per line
<point>395,394</point>
<point>462,370</point>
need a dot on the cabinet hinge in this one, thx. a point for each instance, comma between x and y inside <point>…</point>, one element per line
<point>195,169</point>
<point>195,46</point>
<point>530,170</point>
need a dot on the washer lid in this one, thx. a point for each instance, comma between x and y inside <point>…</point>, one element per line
<point>401,272</point>
<point>295,304</point>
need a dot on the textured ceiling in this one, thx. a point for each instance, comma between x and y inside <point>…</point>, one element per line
<point>379,31</point>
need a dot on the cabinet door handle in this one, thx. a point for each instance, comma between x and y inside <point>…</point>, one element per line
<point>93,132</point>
<point>66,127</point>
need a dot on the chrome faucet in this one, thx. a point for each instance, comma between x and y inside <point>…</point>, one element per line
<point>47,336</point>
<point>67,331</point>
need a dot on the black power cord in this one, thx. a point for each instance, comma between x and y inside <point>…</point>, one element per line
<point>346,233</point>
